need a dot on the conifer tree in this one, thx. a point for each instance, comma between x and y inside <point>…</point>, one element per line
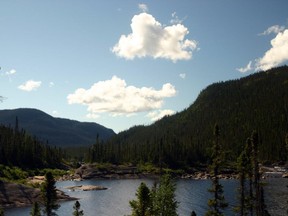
<point>1,211</point>
<point>244,167</point>
<point>164,202</point>
<point>217,203</point>
<point>49,195</point>
<point>35,211</point>
<point>193,213</point>
<point>77,211</point>
<point>142,205</point>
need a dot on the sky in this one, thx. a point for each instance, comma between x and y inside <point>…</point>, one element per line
<point>127,63</point>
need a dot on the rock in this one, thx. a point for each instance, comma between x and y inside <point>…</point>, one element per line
<point>86,187</point>
<point>19,195</point>
<point>285,175</point>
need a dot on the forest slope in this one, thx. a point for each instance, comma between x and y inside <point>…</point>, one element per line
<point>57,131</point>
<point>256,102</point>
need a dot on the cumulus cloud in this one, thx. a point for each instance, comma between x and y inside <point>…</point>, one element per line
<point>245,69</point>
<point>143,7</point>
<point>158,114</point>
<point>273,29</point>
<point>151,38</point>
<point>117,98</point>
<point>277,54</point>
<point>30,85</point>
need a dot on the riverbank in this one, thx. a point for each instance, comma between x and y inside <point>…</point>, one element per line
<point>96,171</point>
<point>18,195</point>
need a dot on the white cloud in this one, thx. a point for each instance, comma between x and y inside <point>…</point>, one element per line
<point>151,38</point>
<point>277,54</point>
<point>55,112</point>
<point>143,7</point>
<point>30,85</point>
<point>11,72</point>
<point>156,115</point>
<point>175,19</point>
<point>92,116</point>
<point>115,97</point>
<point>273,29</point>
<point>245,69</point>
<point>182,75</point>
<point>51,84</point>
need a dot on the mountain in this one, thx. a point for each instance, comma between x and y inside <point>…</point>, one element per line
<point>57,131</point>
<point>256,102</point>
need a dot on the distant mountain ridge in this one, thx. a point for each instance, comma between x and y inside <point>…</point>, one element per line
<point>56,131</point>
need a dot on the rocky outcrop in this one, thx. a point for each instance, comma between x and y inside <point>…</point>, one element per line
<point>86,187</point>
<point>19,195</point>
<point>89,171</point>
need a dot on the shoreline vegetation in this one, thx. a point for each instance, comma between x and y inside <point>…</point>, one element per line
<point>26,192</point>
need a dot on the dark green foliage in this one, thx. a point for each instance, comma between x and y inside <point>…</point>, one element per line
<point>77,211</point>
<point>17,148</point>
<point>164,201</point>
<point>160,200</point>
<point>1,212</point>
<point>251,193</point>
<point>244,167</point>
<point>193,213</point>
<point>217,203</point>
<point>49,195</point>
<point>58,131</point>
<point>35,211</point>
<point>258,101</point>
<point>142,205</point>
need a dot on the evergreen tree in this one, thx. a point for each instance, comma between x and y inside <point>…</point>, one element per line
<point>1,211</point>
<point>256,180</point>
<point>142,205</point>
<point>49,195</point>
<point>193,213</point>
<point>164,201</point>
<point>217,203</point>
<point>244,170</point>
<point>35,211</point>
<point>77,211</point>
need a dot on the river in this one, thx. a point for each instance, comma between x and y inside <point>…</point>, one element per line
<point>191,195</point>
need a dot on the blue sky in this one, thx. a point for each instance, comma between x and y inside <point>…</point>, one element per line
<point>125,63</point>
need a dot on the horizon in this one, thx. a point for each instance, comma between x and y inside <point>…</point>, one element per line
<point>122,64</point>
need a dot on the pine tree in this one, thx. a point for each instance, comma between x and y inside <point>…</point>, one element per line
<point>193,213</point>
<point>49,195</point>
<point>77,211</point>
<point>142,205</point>
<point>35,211</point>
<point>244,170</point>
<point>1,211</point>
<point>218,202</point>
<point>164,201</point>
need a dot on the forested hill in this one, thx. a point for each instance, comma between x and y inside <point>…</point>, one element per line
<point>256,102</point>
<point>57,131</point>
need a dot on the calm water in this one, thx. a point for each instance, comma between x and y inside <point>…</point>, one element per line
<point>191,195</point>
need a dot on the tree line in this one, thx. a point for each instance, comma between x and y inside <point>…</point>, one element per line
<point>256,102</point>
<point>17,148</point>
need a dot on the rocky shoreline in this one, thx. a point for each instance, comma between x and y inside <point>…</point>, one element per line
<point>90,171</point>
<point>18,195</point>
